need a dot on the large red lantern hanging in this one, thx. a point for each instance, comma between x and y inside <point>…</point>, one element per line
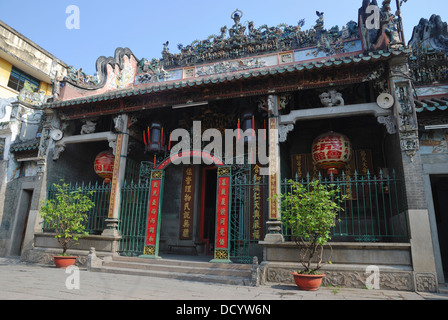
<point>104,165</point>
<point>331,151</point>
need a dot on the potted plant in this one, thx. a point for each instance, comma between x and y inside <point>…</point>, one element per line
<point>310,212</point>
<point>65,216</point>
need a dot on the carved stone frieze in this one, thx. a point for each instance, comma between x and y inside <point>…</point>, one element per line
<point>400,280</point>
<point>407,118</point>
<point>425,282</point>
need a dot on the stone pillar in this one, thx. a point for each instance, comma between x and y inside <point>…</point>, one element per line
<point>425,278</point>
<point>121,149</point>
<point>274,224</point>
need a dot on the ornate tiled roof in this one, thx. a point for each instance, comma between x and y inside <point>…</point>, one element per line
<point>25,145</point>
<point>432,104</point>
<point>237,75</point>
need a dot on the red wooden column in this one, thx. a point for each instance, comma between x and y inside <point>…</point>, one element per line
<point>222,243</point>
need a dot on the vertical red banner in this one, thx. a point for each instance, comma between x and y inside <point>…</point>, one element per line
<point>222,223</point>
<point>153,212</point>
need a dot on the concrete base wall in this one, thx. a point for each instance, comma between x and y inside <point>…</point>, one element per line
<point>46,246</point>
<point>398,254</point>
<point>392,263</point>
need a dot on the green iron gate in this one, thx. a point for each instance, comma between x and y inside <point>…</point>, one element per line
<point>134,208</point>
<point>133,213</point>
<point>249,211</point>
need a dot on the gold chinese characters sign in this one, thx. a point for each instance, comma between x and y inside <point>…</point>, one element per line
<point>256,231</point>
<point>187,204</point>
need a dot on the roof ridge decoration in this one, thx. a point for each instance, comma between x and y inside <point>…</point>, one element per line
<point>429,59</point>
<point>388,35</point>
<point>430,34</point>
<point>255,41</point>
<point>80,79</point>
<point>240,49</point>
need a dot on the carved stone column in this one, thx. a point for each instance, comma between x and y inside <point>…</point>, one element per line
<point>422,251</point>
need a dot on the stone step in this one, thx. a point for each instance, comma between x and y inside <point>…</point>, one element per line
<point>233,274</point>
<point>184,262</point>
<point>199,269</point>
<point>443,288</point>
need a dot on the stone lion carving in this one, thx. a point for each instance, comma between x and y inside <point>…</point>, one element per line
<point>88,127</point>
<point>331,98</point>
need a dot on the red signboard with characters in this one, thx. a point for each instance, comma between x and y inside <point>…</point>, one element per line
<point>153,212</point>
<point>222,223</point>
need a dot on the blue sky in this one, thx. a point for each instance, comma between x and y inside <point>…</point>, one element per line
<point>143,26</point>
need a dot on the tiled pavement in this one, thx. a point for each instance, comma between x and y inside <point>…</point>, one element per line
<point>24,281</point>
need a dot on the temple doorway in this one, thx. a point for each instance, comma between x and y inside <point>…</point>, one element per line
<point>439,185</point>
<point>208,208</point>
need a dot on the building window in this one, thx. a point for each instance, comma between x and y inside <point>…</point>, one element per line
<point>19,80</point>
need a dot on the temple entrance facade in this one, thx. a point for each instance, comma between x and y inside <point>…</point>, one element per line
<point>197,143</point>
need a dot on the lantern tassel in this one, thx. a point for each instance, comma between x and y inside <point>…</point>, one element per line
<point>239,136</point>
<point>253,126</point>
<point>149,137</point>
<point>144,138</point>
<point>155,158</point>
<point>169,143</point>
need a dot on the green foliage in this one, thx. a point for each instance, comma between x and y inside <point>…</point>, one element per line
<point>65,214</point>
<point>310,213</point>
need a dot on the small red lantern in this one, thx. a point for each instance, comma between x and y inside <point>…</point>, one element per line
<point>104,165</point>
<point>331,151</point>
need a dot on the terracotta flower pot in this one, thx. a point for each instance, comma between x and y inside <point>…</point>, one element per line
<point>308,282</point>
<point>64,261</point>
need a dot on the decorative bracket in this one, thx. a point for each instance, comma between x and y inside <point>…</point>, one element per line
<point>101,136</point>
<point>389,122</point>
<point>283,131</point>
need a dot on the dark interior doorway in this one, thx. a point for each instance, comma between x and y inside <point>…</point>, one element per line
<point>21,222</point>
<point>439,185</point>
<point>208,207</point>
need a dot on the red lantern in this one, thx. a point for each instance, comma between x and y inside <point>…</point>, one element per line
<point>104,165</point>
<point>331,151</point>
